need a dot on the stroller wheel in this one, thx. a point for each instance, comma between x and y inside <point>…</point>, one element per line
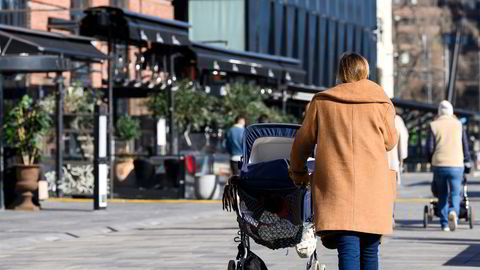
<point>471,217</point>
<point>431,212</point>
<point>425,216</point>
<point>231,265</point>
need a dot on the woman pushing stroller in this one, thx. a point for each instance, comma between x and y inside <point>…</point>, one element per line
<point>352,125</point>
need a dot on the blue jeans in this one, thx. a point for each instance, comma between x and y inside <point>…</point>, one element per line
<point>357,251</point>
<point>448,178</point>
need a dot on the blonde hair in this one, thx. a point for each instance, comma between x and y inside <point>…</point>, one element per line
<point>352,67</point>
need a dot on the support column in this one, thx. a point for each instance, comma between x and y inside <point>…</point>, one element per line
<point>111,142</point>
<point>59,80</point>
<point>100,162</point>
<point>2,202</point>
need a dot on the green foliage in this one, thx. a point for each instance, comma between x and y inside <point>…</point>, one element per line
<point>26,123</point>
<point>127,128</point>
<point>77,100</point>
<point>247,100</point>
<point>192,107</point>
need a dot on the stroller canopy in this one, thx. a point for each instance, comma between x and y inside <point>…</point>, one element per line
<point>256,131</point>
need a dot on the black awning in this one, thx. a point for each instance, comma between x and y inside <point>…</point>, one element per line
<point>302,88</point>
<point>100,22</point>
<point>21,41</point>
<point>293,71</point>
<point>247,63</point>
<point>33,64</point>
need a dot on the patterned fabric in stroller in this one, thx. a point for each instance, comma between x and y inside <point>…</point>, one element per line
<point>269,204</point>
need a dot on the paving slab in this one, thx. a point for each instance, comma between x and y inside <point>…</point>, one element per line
<point>200,236</point>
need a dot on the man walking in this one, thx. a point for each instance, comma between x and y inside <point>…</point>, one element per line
<point>234,143</point>
<point>448,148</point>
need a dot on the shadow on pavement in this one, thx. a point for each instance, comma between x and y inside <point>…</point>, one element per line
<point>66,210</point>
<point>423,183</point>
<point>188,229</point>
<point>417,225</point>
<point>468,257</point>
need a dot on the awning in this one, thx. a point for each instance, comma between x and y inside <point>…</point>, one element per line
<point>102,22</point>
<point>21,41</point>
<point>33,64</point>
<point>303,92</point>
<point>292,69</point>
<point>247,63</point>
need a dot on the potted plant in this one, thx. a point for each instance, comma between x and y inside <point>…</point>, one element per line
<point>26,124</point>
<point>127,129</point>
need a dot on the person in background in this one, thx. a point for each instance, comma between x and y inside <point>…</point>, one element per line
<point>263,119</point>
<point>234,143</point>
<point>447,147</point>
<point>353,125</point>
<point>400,151</point>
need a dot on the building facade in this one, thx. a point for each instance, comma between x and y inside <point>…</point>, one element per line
<point>385,75</point>
<point>424,39</point>
<point>316,32</point>
<point>34,14</point>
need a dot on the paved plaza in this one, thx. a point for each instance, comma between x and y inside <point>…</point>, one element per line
<point>198,235</point>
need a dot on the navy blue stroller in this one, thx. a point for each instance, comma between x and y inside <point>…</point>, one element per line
<point>267,203</point>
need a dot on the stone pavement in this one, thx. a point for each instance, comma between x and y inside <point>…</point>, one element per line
<point>68,235</point>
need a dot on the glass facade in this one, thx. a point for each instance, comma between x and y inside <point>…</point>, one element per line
<point>218,22</point>
<point>77,7</point>
<point>119,3</point>
<point>314,31</point>
<point>13,12</point>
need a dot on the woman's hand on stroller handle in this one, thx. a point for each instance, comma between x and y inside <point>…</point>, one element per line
<point>301,178</point>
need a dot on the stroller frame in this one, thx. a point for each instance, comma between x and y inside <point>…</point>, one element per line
<point>232,199</point>
<point>466,210</point>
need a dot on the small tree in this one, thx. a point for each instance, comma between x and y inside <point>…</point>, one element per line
<point>26,124</point>
<point>192,107</point>
<point>246,99</point>
<point>127,129</point>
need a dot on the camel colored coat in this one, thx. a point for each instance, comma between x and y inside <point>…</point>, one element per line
<point>353,127</point>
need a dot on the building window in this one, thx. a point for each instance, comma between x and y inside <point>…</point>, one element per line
<point>77,7</point>
<point>13,12</point>
<point>119,3</point>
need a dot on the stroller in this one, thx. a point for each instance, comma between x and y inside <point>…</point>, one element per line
<point>466,210</point>
<point>267,203</point>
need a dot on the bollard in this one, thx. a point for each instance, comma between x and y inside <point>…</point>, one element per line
<point>100,169</point>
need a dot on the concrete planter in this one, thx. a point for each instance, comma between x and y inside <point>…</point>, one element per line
<point>27,182</point>
<point>207,187</point>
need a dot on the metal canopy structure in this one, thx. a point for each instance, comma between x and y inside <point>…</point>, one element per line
<point>29,51</point>
<point>213,58</point>
<point>431,108</point>
<point>21,41</point>
<point>118,26</point>
<point>104,22</point>
<point>33,64</point>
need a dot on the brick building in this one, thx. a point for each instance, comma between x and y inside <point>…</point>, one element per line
<point>34,14</point>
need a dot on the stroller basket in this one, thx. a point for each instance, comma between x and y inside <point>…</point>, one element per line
<point>272,218</point>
